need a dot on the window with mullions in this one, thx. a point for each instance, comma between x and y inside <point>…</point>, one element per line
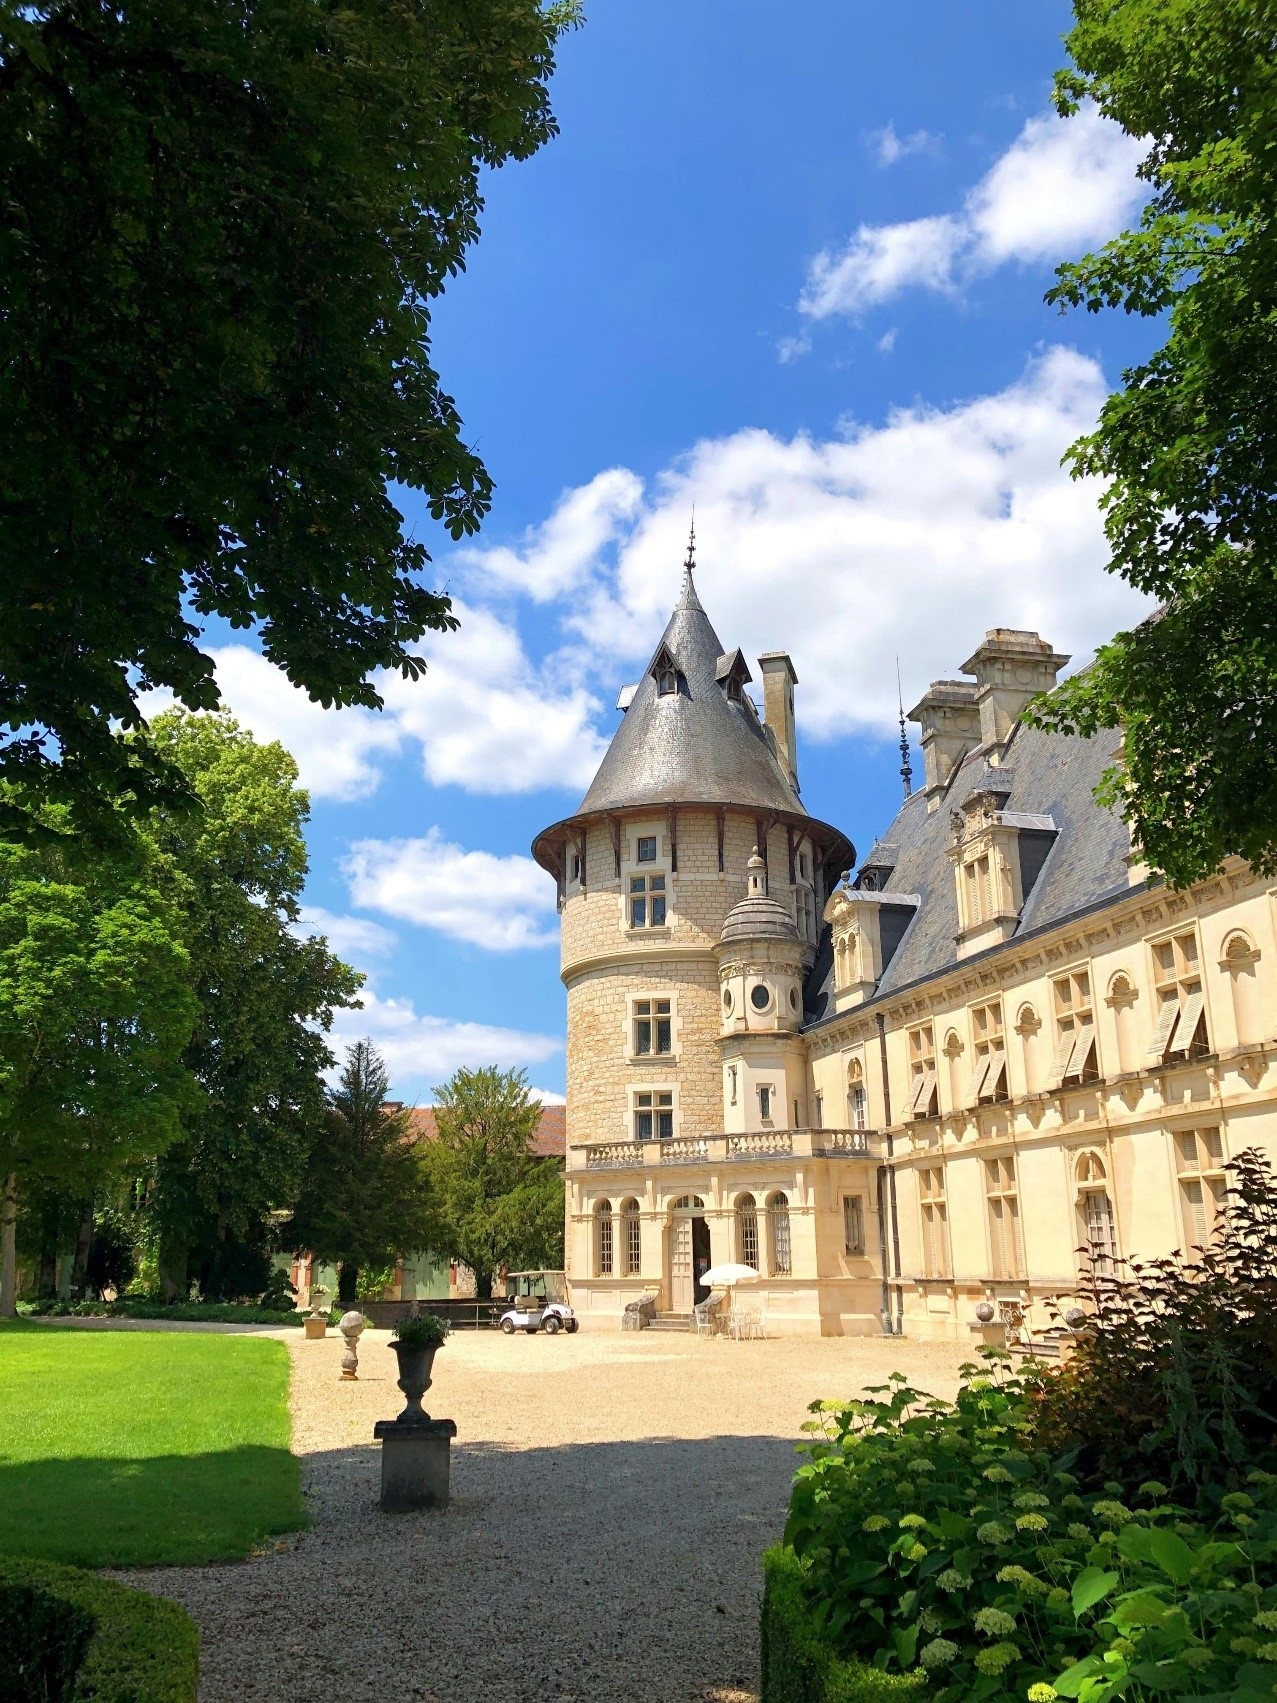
<point>647,901</point>
<point>652,1028</point>
<point>853,1224</point>
<point>778,1235</point>
<point>603,1239</point>
<point>1181,1006</point>
<point>747,1231</point>
<point>923,1097</point>
<point>1203,1186</point>
<point>631,1237</point>
<point>654,1116</point>
<point>989,1077</point>
<point>1074,1059</point>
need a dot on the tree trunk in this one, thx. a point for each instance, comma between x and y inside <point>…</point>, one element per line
<point>483,1284</point>
<point>9,1248</point>
<point>83,1242</point>
<point>347,1283</point>
<point>173,1263</point>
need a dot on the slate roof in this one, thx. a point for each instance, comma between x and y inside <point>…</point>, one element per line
<point>1044,774</point>
<point>695,746</point>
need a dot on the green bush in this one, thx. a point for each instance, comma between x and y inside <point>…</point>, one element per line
<point>799,1664</point>
<point>69,1636</point>
<point>934,1535</point>
<point>184,1312</point>
<point>426,1330</point>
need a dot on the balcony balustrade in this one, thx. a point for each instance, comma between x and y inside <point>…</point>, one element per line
<point>722,1149</point>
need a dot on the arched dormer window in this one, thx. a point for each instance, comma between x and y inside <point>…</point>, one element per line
<point>732,673</point>
<point>665,673</point>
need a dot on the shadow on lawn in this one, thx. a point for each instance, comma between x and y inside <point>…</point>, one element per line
<point>160,1510</point>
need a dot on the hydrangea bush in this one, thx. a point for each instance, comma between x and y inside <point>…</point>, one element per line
<point>936,1534</point>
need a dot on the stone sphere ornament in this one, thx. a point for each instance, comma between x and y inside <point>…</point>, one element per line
<point>351,1325</point>
<point>984,1312</point>
<point>1075,1318</point>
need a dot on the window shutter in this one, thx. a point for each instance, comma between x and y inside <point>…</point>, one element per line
<point>928,1089</point>
<point>1189,1018</point>
<point>1166,1020</point>
<point>1063,1056</point>
<point>919,1083</point>
<point>982,1065</point>
<point>1082,1048</point>
<point>996,1074</point>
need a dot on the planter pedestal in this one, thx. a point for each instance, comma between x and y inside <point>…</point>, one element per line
<point>315,1328</point>
<point>415,1460</point>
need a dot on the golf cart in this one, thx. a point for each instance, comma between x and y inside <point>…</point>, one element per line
<point>537,1301</point>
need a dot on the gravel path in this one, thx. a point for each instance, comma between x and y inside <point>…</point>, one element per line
<point>611,1497</point>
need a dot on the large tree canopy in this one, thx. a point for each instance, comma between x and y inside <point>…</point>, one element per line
<point>1189,444</point>
<point>221,224</point>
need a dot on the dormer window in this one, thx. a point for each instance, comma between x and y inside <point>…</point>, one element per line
<point>732,673</point>
<point>665,673</point>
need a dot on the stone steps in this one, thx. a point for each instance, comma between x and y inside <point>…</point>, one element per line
<point>670,1322</point>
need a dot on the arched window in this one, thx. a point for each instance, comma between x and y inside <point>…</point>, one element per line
<point>778,1235</point>
<point>665,673</point>
<point>747,1231</point>
<point>856,1101</point>
<point>1095,1213</point>
<point>603,1239</point>
<point>631,1237</point>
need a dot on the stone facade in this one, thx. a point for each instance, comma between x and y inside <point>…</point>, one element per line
<point>994,1054</point>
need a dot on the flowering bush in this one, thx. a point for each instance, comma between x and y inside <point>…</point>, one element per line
<point>935,1535</point>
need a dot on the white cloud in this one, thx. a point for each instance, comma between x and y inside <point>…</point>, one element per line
<point>887,342</point>
<point>887,147</point>
<point>558,554</point>
<point>489,721</point>
<point>421,1051</point>
<point>904,539</point>
<point>354,939</point>
<point>1064,185</point>
<point>503,904</point>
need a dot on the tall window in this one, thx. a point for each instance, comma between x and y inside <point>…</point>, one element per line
<point>778,1235</point>
<point>1095,1210</point>
<point>923,1098</point>
<point>654,1115</point>
<point>857,1103</point>
<point>603,1239</point>
<point>647,901</point>
<point>805,912</point>
<point>1199,1160</point>
<point>1074,1059</point>
<point>765,1102</point>
<point>989,1072</point>
<point>631,1237</point>
<point>747,1231</point>
<point>1003,1200</point>
<point>652,1031</point>
<point>732,1073</point>
<point>978,888</point>
<point>1181,1006</point>
<point>935,1221</point>
<point>853,1224</point>
<point>818,1111</point>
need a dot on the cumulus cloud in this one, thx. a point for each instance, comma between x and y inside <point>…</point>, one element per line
<point>1064,185</point>
<point>887,147</point>
<point>904,539</point>
<point>557,555</point>
<point>354,939</point>
<point>421,1051</point>
<point>503,904</point>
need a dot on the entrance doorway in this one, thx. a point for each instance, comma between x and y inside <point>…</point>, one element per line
<point>687,1243</point>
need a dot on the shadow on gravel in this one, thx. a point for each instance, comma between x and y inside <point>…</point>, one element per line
<point>587,1573</point>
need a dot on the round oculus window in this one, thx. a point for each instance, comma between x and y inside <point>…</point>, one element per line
<point>727,999</point>
<point>760,997</point>
<point>793,999</point>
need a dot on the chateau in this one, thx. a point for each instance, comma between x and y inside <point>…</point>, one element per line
<point>902,1086</point>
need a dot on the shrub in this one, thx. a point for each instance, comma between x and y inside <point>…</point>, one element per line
<point>1176,1375</point>
<point>70,1636</point>
<point>426,1330</point>
<point>187,1312</point>
<point>936,1537</point>
<point>799,1664</point>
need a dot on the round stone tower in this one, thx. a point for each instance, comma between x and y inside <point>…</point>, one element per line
<point>761,958</point>
<point>696,798</point>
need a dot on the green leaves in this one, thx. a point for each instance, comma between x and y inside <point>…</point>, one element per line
<point>1089,1587</point>
<point>1163,1548</point>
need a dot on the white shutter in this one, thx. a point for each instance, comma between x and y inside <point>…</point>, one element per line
<point>1166,1020</point>
<point>1081,1051</point>
<point>1063,1055</point>
<point>997,1074</point>
<point>982,1063</point>
<point>1189,1017</point>
<point>919,1083</point>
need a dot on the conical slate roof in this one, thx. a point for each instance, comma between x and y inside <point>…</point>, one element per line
<point>693,746</point>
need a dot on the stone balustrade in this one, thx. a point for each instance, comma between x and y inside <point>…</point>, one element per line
<point>722,1149</point>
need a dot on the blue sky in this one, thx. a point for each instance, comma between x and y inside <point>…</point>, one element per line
<point>787,265</point>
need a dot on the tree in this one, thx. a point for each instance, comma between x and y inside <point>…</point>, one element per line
<point>266,997</point>
<point>221,227</point>
<point>365,1198</point>
<point>498,1203</point>
<point>1188,446</point>
<point>95,1010</point>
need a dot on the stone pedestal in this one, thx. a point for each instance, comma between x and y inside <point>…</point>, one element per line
<point>351,1326</point>
<point>415,1461</point>
<point>315,1328</point>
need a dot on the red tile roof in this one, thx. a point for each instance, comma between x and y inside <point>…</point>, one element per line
<point>549,1142</point>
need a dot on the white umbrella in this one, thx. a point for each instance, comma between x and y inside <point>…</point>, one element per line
<point>724,1276</point>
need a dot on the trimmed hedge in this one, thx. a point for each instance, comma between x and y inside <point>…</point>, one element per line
<point>185,1312</point>
<point>799,1665</point>
<point>67,1636</point>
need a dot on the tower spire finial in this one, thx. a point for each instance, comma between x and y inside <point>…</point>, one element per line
<point>688,598</point>
<point>906,768</point>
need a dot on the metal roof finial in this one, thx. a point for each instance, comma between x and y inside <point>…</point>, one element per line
<point>906,768</point>
<point>688,598</point>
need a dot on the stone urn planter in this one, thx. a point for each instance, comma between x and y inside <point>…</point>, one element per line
<point>415,1362</point>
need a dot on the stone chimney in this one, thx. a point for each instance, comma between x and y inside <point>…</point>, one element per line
<point>950,721</point>
<point>779,681</point>
<point>1010,667</point>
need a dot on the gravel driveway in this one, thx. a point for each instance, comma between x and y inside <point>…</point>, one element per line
<point>611,1497</point>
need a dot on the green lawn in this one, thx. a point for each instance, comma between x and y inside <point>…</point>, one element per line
<point>143,1447</point>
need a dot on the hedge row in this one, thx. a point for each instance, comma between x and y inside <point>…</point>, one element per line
<point>186,1312</point>
<point>799,1665</point>
<point>67,1636</point>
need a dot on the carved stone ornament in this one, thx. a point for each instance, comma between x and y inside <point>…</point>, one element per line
<point>351,1325</point>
